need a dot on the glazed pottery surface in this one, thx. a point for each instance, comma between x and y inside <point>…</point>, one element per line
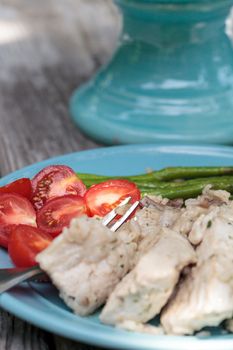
<point>170,79</point>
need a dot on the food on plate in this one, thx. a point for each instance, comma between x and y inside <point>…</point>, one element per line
<point>58,212</point>
<point>57,194</point>
<point>143,292</point>
<point>25,243</point>
<point>14,210</point>
<point>188,188</point>
<point>163,175</point>
<point>173,256</point>
<point>166,249</point>
<point>86,266</point>
<point>22,187</point>
<point>177,182</point>
<point>205,296</point>
<point>103,197</point>
<point>157,213</point>
<point>195,209</point>
<point>55,181</point>
<point>88,260</point>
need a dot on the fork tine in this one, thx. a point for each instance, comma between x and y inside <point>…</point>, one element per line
<point>119,222</point>
<point>110,216</point>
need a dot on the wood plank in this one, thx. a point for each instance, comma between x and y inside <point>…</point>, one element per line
<point>16,334</point>
<point>54,52</point>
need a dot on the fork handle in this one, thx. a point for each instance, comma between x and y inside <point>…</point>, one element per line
<point>13,276</point>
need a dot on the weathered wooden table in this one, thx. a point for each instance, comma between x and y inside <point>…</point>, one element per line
<point>47,48</point>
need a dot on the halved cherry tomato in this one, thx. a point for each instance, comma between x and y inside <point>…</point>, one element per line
<point>103,197</point>
<point>58,212</point>
<point>14,210</point>
<point>25,243</point>
<point>55,181</point>
<point>22,187</point>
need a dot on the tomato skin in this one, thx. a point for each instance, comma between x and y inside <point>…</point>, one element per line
<point>21,186</point>
<point>55,181</point>
<point>58,212</point>
<point>5,232</point>
<point>14,210</point>
<point>103,197</point>
<point>25,243</point>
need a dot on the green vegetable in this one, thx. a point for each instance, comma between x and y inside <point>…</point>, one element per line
<point>166,174</point>
<point>165,182</point>
<point>191,188</point>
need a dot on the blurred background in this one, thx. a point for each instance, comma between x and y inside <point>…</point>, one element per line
<point>47,49</point>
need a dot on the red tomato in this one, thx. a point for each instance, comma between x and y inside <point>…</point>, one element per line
<point>103,197</point>
<point>25,243</point>
<point>57,213</point>
<point>14,210</point>
<point>22,186</point>
<point>55,181</point>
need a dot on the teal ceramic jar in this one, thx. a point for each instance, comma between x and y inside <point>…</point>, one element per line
<point>170,80</point>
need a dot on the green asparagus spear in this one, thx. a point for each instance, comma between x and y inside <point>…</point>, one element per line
<point>166,174</point>
<point>190,190</point>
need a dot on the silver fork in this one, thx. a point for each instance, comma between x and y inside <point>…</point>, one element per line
<point>12,276</point>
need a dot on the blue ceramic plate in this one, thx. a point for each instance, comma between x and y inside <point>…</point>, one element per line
<point>40,304</point>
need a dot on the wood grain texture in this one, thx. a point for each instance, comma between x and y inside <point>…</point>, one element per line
<point>47,49</point>
<point>51,49</point>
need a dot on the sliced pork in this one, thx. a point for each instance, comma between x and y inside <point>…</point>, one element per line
<point>145,290</point>
<point>205,297</point>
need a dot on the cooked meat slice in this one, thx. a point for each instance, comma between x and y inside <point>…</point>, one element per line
<point>209,198</point>
<point>144,291</point>
<point>199,226</point>
<point>157,215</point>
<point>196,208</point>
<point>149,221</point>
<point>87,261</point>
<point>205,297</point>
<point>159,202</point>
<point>155,200</point>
